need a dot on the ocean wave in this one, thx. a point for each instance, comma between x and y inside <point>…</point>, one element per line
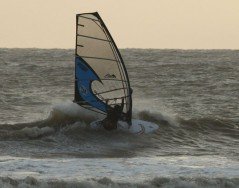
<point>68,124</point>
<point>158,182</point>
<point>203,124</point>
<point>66,116</point>
<point>60,116</point>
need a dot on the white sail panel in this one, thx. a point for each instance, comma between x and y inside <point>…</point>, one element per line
<point>91,47</point>
<point>91,28</point>
<point>103,71</point>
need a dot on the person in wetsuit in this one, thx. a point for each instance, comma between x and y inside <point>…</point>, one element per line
<point>113,115</point>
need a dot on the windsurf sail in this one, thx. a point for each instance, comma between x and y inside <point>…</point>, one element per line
<point>101,79</point>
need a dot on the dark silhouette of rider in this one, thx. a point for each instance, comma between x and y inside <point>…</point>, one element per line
<point>113,116</point>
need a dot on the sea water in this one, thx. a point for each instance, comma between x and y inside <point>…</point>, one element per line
<point>45,139</point>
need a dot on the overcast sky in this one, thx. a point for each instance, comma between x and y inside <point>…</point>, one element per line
<point>186,24</point>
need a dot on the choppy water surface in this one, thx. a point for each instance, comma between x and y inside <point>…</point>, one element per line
<point>192,95</point>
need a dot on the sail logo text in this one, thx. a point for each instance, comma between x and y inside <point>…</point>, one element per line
<point>83,90</point>
<point>110,76</point>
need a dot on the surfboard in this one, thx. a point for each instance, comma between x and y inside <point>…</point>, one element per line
<point>137,126</point>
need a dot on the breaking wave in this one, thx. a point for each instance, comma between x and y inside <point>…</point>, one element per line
<point>158,182</point>
<point>70,114</point>
<point>175,135</point>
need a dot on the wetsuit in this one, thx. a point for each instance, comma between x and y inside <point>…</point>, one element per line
<point>113,115</point>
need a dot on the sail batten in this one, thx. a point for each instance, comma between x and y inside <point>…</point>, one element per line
<point>101,77</point>
<point>93,38</point>
<point>85,57</point>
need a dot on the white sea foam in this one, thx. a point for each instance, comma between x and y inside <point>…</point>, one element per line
<point>122,172</point>
<point>34,132</point>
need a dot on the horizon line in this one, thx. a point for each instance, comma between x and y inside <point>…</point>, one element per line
<point>124,48</point>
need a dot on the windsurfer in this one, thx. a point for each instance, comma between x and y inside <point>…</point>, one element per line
<point>113,115</point>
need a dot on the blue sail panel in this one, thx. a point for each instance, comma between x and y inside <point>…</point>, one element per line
<point>85,75</point>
